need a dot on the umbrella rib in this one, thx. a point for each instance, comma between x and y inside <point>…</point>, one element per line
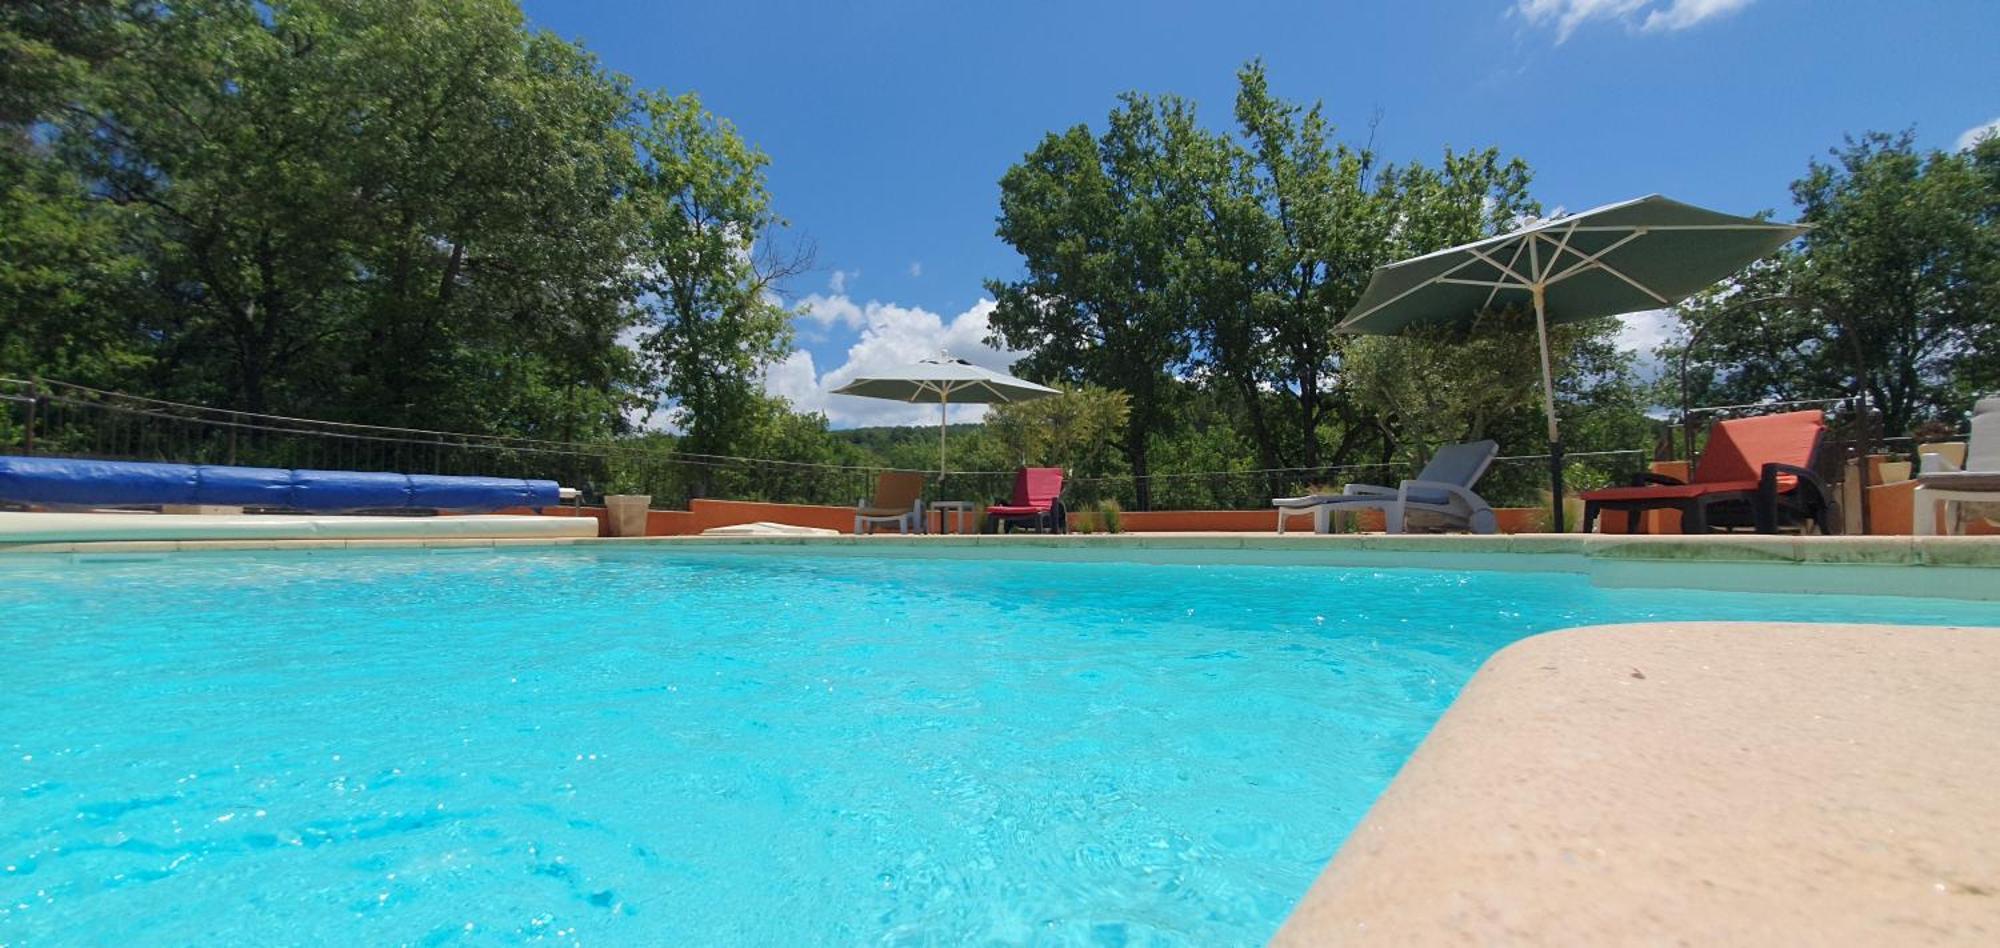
<point>1518,247</point>
<point>1562,246</point>
<point>1641,287</point>
<point>1596,259</point>
<point>1399,297</point>
<point>1504,268</point>
<point>1604,228</point>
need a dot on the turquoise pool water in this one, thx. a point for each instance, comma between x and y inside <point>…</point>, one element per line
<point>665,747</point>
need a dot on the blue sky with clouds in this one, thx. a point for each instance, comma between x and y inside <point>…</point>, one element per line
<point>889,123</point>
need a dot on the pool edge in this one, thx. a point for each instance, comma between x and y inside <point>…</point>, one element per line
<point>1694,782</point>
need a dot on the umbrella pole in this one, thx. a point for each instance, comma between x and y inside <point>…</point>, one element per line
<point>944,405</point>
<point>1549,406</point>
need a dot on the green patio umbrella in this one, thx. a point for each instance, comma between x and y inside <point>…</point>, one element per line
<point>1642,254</point>
<point>945,380</point>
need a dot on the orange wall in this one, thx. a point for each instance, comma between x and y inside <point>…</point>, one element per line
<point>1653,522</point>
<point>728,513</point>
<point>1890,508</point>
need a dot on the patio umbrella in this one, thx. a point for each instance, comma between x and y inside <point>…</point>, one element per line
<point>1647,253</point>
<point>945,380</point>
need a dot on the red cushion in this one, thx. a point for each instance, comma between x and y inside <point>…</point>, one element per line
<point>1667,491</point>
<point>1739,448</point>
<point>1037,487</point>
<point>1011,510</point>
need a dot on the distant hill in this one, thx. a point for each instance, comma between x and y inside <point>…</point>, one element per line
<point>882,437</point>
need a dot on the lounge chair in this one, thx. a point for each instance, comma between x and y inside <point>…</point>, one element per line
<point>1977,481</point>
<point>898,499</point>
<point>1754,472</point>
<point>1443,488</point>
<point>1037,502</point>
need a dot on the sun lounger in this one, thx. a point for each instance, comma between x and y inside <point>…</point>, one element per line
<point>1037,501</point>
<point>1755,472</point>
<point>1443,488</point>
<point>1978,481</point>
<point>898,499</point>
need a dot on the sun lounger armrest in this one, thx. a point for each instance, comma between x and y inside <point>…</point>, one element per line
<point>1767,484</point>
<point>1367,490</point>
<point>1465,494</point>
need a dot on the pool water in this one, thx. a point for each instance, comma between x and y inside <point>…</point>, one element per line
<point>701,748</point>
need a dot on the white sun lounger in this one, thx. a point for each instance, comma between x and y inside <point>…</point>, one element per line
<point>1942,482</point>
<point>1443,487</point>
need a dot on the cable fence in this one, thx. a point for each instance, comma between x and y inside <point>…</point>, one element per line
<point>56,418</point>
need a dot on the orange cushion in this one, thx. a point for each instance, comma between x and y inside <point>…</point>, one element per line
<point>1739,448</point>
<point>1667,491</point>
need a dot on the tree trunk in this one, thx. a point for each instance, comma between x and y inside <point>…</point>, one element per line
<point>1135,453</point>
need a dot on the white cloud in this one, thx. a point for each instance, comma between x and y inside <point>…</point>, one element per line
<point>1643,333</point>
<point>828,310</point>
<point>892,336</point>
<point>916,268</point>
<point>1681,14</point>
<point>840,278</point>
<point>1972,135</point>
<point>1650,16</point>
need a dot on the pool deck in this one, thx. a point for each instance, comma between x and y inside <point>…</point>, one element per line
<point>1691,783</point>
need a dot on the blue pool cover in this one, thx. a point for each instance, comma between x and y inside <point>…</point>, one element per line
<point>73,482</point>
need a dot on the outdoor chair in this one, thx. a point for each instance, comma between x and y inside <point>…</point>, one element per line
<point>1754,472</point>
<point>1442,489</point>
<point>1037,502</point>
<point>1977,481</point>
<point>898,499</point>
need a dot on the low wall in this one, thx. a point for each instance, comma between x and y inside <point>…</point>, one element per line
<point>728,513</point>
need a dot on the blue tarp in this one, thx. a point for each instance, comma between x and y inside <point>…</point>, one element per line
<point>73,482</point>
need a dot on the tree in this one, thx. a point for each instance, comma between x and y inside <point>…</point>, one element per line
<point>1096,222</point>
<point>403,212</point>
<point>707,266</point>
<point>1074,431</point>
<point>1889,296</point>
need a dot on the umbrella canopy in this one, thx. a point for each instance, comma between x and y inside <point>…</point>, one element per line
<point>945,380</point>
<point>1646,253</point>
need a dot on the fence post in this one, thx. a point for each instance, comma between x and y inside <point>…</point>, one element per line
<point>34,396</point>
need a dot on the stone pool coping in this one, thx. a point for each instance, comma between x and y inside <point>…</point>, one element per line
<point>1948,567</point>
<point>1880,550</point>
<point>1691,783</point>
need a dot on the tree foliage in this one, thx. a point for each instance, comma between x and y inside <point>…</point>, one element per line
<point>1890,296</point>
<point>706,269</point>
<point>411,212</point>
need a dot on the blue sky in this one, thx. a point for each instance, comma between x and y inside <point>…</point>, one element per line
<point>889,123</point>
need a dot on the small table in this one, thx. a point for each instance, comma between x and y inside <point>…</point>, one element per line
<point>963,508</point>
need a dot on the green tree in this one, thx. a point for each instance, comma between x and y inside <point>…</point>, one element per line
<point>1096,221</point>
<point>707,266</point>
<point>1076,431</point>
<point>1890,296</point>
<point>408,212</point>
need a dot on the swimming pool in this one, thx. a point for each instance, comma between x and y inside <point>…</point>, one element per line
<point>783,748</point>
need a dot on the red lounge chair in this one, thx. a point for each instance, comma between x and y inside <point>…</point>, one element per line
<point>1762,466</point>
<point>1036,500</point>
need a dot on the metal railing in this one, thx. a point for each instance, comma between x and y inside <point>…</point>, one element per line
<point>43,416</point>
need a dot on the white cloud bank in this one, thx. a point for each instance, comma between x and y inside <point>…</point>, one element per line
<point>892,336</point>
<point>1650,16</point>
<point>1972,135</point>
<point>1644,332</point>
